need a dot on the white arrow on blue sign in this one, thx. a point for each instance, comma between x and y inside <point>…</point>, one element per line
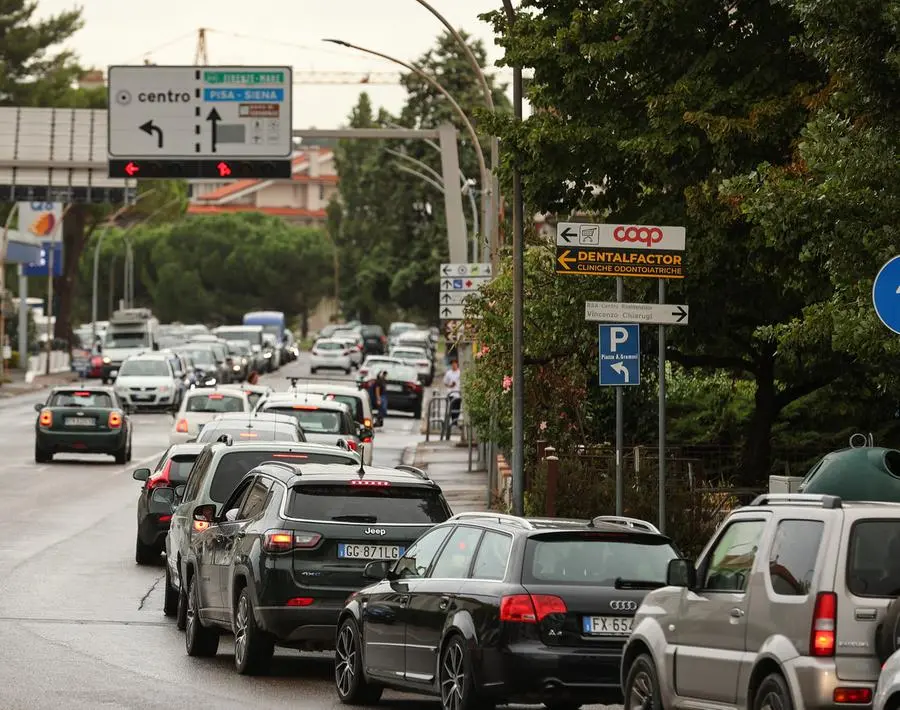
<point>620,355</point>
<point>886,294</point>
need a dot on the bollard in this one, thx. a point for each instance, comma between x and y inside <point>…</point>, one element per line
<point>552,481</point>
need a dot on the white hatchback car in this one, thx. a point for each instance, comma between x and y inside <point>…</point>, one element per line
<point>329,354</point>
<point>203,405</point>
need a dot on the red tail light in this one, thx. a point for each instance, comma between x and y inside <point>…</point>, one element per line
<point>352,444</point>
<point>115,420</point>
<point>290,456</point>
<point>367,440</point>
<point>300,601</point>
<point>359,347</point>
<point>383,339</point>
<point>82,394</point>
<point>363,371</point>
<point>857,696</point>
<point>217,396</point>
<point>182,426</point>
<point>824,625</point>
<point>160,479</point>
<point>530,609</point>
<point>46,418</point>
<point>414,386</point>
<point>165,518</point>
<point>362,482</point>
<point>287,540</point>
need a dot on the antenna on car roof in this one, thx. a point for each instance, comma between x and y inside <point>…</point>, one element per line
<point>362,456</point>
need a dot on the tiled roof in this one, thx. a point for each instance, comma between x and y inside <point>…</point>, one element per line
<point>276,211</point>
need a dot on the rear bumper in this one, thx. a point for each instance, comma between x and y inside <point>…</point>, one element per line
<point>337,363</point>
<point>404,402</point>
<point>177,437</point>
<point>314,625</point>
<point>813,681</point>
<point>89,442</point>
<point>532,672</point>
<point>152,532</point>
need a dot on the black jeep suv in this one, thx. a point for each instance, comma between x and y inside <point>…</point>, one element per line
<point>489,609</point>
<point>276,563</point>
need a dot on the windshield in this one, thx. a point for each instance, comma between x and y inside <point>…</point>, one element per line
<point>409,354</point>
<point>238,349</point>
<point>201,357</point>
<point>596,559</point>
<point>126,340</point>
<point>214,402</point>
<point>285,432</point>
<point>234,466</point>
<point>144,368</point>
<point>101,400</point>
<point>397,328</point>
<point>252,336</point>
<point>314,421</point>
<point>389,504</point>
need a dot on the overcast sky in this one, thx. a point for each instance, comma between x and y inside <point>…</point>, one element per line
<point>276,32</point>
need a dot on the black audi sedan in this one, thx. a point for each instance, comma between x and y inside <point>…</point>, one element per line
<point>489,609</point>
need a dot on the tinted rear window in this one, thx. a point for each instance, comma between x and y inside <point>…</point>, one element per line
<point>343,502</point>
<point>283,433</point>
<point>218,403</point>
<point>354,403</point>
<point>234,466</point>
<point>329,346</point>
<point>181,467</point>
<point>81,399</point>
<point>597,559</point>
<point>873,565</point>
<point>314,421</point>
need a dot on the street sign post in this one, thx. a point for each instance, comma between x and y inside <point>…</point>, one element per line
<point>458,282</point>
<point>224,122</point>
<point>619,250</point>
<point>644,313</point>
<point>886,294</point>
<point>632,250</point>
<point>620,355</point>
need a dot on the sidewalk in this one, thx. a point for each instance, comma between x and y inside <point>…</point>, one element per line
<point>447,463</point>
<point>18,386</point>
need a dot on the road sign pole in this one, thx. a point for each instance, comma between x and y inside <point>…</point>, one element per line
<point>620,424</point>
<point>662,414</point>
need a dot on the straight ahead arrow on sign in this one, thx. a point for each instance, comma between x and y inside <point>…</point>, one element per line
<point>647,313</point>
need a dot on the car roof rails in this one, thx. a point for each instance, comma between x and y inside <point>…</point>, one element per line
<point>501,518</point>
<point>413,470</point>
<point>225,439</point>
<point>824,501</point>
<point>634,523</point>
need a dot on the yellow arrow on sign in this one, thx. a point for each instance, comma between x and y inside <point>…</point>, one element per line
<point>564,260</point>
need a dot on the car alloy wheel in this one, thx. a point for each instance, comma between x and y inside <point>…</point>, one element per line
<point>641,687</point>
<point>640,697</point>
<point>454,679</point>
<point>345,661</point>
<point>240,631</point>
<point>198,640</point>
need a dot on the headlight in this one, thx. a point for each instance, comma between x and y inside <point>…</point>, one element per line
<point>268,355</point>
<point>243,361</point>
<point>106,361</point>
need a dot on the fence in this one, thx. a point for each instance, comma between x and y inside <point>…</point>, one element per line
<point>699,486</point>
<point>37,364</point>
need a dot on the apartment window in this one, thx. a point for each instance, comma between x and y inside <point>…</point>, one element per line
<point>321,193</point>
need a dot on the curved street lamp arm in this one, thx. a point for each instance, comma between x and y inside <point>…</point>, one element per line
<point>431,181</point>
<point>470,129</point>
<point>418,163</point>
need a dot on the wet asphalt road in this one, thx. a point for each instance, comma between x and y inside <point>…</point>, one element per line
<point>81,625</point>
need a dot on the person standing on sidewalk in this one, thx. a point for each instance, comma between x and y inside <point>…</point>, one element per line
<point>454,396</point>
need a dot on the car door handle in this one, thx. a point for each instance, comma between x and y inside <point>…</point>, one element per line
<point>404,600</point>
<point>444,603</point>
<point>736,613</point>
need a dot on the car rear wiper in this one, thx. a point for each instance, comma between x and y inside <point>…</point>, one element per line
<point>356,518</point>
<point>638,584</point>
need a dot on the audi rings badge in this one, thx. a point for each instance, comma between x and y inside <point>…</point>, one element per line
<point>623,605</point>
<point>638,235</point>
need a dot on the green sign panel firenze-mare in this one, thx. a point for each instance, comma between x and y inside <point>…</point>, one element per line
<point>251,78</point>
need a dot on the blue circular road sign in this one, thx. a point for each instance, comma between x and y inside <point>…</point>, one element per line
<point>886,294</point>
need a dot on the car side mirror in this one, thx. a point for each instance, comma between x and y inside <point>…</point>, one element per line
<point>179,491</point>
<point>231,515</point>
<point>377,570</point>
<point>38,407</point>
<point>205,513</point>
<point>141,474</point>
<point>681,573</point>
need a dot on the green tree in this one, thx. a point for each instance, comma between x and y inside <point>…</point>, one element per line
<point>642,110</point>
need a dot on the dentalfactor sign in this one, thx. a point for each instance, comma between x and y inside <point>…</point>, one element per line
<point>603,261</point>
<point>620,236</point>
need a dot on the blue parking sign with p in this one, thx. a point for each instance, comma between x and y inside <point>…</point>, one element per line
<point>620,355</point>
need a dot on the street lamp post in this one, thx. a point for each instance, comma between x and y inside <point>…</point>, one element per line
<point>470,129</point>
<point>493,228</point>
<point>518,325</point>
<point>4,245</point>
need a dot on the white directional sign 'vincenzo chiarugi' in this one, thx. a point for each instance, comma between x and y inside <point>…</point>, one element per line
<point>458,282</point>
<point>195,112</point>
